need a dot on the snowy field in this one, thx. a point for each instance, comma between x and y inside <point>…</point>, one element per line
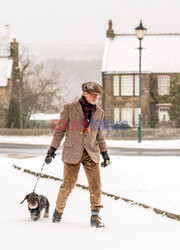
<point>150,180</point>
<point>127,227</point>
<point>46,140</point>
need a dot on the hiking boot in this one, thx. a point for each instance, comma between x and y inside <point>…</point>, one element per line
<point>95,221</point>
<point>56,216</point>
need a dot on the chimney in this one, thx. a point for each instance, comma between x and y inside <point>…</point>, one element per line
<point>14,52</point>
<point>110,32</point>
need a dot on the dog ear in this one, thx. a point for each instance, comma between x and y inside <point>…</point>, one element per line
<point>25,198</point>
<point>39,197</point>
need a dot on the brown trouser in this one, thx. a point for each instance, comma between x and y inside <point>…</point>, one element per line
<point>70,177</point>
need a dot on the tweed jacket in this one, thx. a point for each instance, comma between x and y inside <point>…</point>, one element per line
<point>70,125</point>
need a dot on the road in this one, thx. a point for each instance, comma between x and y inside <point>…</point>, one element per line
<point>23,151</point>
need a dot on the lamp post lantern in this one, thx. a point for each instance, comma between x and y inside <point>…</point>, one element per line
<point>140,33</point>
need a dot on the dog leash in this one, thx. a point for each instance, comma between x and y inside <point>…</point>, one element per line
<point>38,177</point>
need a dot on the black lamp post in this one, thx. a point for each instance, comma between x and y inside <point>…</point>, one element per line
<point>140,33</point>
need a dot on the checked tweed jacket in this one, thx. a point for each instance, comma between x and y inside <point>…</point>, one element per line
<point>70,125</point>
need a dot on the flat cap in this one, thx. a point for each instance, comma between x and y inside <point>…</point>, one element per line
<point>92,86</point>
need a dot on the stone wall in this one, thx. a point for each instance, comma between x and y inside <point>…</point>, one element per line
<point>25,132</point>
<point>6,92</point>
<point>131,134</point>
<point>109,101</point>
<point>172,75</point>
<point>147,134</point>
<point>5,96</point>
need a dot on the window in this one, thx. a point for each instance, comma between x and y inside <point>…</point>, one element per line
<point>116,114</point>
<point>127,115</point>
<point>136,116</point>
<point>163,85</point>
<point>137,85</point>
<point>116,85</point>
<point>127,85</point>
<point>163,114</point>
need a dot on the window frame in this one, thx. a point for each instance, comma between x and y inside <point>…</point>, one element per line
<point>125,110</point>
<point>125,93</point>
<point>162,87</point>
<point>117,112</point>
<point>116,89</point>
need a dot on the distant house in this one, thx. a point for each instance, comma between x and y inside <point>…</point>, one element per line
<point>120,79</point>
<point>8,75</point>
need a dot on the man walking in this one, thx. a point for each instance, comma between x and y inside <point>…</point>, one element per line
<point>82,124</point>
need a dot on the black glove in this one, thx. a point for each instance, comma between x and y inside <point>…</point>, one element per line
<point>105,157</point>
<point>50,154</point>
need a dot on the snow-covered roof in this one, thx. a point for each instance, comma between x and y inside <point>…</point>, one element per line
<point>5,70</point>
<point>160,54</point>
<point>4,45</point>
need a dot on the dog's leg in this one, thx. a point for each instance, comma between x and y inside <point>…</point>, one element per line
<point>46,211</point>
<point>35,216</point>
<point>46,215</point>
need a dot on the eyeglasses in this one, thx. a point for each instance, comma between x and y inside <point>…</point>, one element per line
<point>93,95</point>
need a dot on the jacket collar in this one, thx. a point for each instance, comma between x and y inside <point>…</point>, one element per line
<point>80,110</point>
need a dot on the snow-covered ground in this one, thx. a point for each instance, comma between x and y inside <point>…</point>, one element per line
<point>127,227</point>
<point>150,180</point>
<point>153,181</point>
<point>46,140</point>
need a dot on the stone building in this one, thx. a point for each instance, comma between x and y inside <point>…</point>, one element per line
<point>120,75</point>
<point>8,75</point>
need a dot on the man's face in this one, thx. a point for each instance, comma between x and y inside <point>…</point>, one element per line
<point>91,97</point>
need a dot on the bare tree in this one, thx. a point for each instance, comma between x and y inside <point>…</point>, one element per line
<point>39,89</point>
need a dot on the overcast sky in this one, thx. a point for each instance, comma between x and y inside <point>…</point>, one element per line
<point>85,21</point>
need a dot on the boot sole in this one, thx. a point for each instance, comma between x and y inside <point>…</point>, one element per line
<point>56,221</point>
<point>97,226</point>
